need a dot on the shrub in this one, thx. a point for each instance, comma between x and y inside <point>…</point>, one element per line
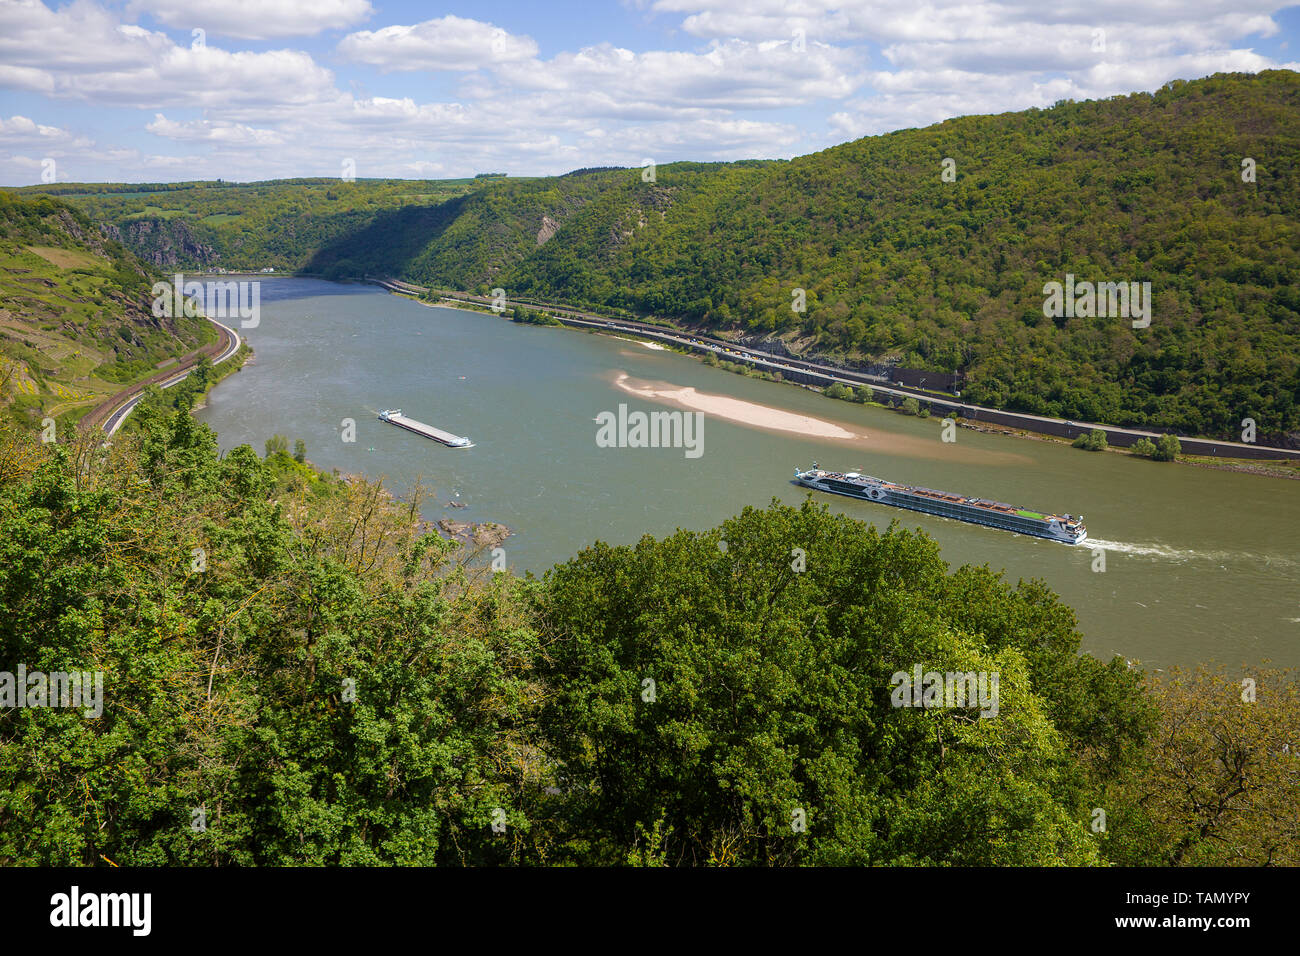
<point>1167,448</point>
<point>838,391</point>
<point>1093,441</point>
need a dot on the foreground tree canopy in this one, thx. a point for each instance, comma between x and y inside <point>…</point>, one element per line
<point>294,674</point>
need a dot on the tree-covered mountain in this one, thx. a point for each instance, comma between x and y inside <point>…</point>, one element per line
<point>950,276</point>
<point>898,264</point>
<point>197,226</point>
<point>76,323</point>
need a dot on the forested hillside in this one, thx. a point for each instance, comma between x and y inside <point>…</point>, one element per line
<point>896,263</point>
<point>293,674</point>
<point>76,323</point>
<point>244,226</point>
<point>949,275</point>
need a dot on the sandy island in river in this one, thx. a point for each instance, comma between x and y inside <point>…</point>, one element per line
<point>764,416</point>
<point>735,410</point>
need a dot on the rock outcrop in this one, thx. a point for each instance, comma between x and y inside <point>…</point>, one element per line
<point>167,243</point>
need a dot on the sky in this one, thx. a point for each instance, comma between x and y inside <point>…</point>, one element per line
<point>244,90</point>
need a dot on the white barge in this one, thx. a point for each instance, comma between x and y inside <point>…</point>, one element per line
<point>394,416</point>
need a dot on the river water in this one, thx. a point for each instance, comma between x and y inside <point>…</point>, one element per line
<point>1199,565</point>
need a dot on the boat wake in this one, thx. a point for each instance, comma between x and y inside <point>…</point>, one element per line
<point>1157,550</point>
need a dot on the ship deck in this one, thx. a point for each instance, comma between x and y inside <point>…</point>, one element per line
<point>428,431</point>
<point>995,506</point>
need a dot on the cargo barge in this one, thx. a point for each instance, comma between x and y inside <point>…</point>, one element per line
<point>1068,529</point>
<point>394,416</point>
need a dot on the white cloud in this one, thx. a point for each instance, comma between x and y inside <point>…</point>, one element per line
<point>950,58</point>
<point>256,19</point>
<point>914,98</point>
<point>887,21</point>
<point>207,77</point>
<point>736,86</point>
<point>78,37</point>
<point>234,134</point>
<point>731,74</point>
<point>30,150</point>
<point>26,78</point>
<point>718,139</point>
<point>448,43</point>
<point>21,132</point>
<point>81,52</point>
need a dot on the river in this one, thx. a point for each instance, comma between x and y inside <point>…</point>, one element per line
<point>1199,564</point>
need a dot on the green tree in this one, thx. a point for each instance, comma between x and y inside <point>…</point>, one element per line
<point>1144,448</point>
<point>1167,448</point>
<point>1216,783</point>
<point>721,698</point>
<point>286,654</point>
<point>1093,441</point>
<point>309,677</point>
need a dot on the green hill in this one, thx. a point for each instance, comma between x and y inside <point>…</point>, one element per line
<point>949,276</point>
<point>901,266</point>
<point>198,226</point>
<point>75,318</point>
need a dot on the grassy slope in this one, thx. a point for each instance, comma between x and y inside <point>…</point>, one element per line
<point>75,322</point>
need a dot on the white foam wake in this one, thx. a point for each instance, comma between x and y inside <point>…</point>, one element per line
<point>1169,552</point>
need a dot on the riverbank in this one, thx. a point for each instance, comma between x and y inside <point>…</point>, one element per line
<point>242,356</point>
<point>1267,469</point>
<point>470,534</point>
<point>227,355</point>
<point>1200,452</point>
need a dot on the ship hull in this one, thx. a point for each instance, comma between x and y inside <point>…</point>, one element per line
<point>885,493</point>
<point>394,416</point>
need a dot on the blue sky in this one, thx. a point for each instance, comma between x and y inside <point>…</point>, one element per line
<point>127,90</point>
